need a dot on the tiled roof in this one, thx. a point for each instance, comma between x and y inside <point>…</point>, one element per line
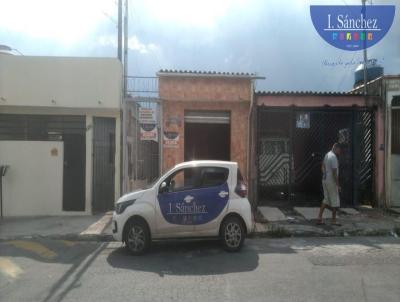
<point>173,72</point>
<point>309,93</point>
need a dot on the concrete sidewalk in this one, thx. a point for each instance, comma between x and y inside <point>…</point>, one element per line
<point>95,227</point>
<point>270,222</point>
<point>301,222</point>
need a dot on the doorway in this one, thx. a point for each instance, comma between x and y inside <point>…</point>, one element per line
<point>207,135</point>
<point>291,147</point>
<point>103,164</point>
<point>74,172</point>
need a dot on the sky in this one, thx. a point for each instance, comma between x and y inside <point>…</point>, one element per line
<point>273,38</point>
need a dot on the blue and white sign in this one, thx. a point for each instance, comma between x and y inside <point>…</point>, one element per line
<point>352,27</point>
<point>193,207</point>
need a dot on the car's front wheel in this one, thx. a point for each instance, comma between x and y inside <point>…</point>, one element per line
<point>232,234</point>
<point>137,237</point>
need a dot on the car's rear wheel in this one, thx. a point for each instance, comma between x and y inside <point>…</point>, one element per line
<point>232,234</point>
<point>137,237</point>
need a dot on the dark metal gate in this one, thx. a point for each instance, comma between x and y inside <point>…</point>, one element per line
<point>74,172</point>
<point>292,144</point>
<point>103,164</point>
<point>144,136</point>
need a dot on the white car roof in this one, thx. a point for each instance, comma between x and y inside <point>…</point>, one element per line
<point>218,163</point>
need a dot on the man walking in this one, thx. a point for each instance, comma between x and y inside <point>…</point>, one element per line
<point>330,184</point>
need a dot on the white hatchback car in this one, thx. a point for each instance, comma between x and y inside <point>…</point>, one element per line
<point>194,199</point>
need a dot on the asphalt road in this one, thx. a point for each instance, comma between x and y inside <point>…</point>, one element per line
<point>310,269</point>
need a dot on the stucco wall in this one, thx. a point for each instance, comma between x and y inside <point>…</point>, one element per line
<point>89,146</point>
<point>392,165</point>
<point>180,94</point>
<point>33,184</point>
<point>60,82</point>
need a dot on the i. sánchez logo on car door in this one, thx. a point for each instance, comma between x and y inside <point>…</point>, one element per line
<point>193,207</point>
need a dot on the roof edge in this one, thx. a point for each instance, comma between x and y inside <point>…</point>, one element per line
<point>307,93</point>
<point>208,74</point>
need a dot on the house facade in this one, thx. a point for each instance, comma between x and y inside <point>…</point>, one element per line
<point>387,89</point>
<point>205,116</point>
<point>59,134</point>
<point>294,132</point>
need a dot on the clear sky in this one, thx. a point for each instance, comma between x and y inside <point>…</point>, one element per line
<point>274,38</point>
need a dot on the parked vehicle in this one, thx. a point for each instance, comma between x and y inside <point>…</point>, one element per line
<point>193,200</point>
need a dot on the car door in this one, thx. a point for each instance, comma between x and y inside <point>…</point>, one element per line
<point>213,195</point>
<point>176,208</point>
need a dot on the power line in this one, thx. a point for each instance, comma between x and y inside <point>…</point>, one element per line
<point>111,18</point>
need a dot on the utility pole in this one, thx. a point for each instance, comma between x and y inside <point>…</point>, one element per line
<point>125,47</point>
<point>120,30</point>
<point>365,50</point>
<point>124,109</point>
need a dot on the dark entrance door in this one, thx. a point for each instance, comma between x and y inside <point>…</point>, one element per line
<point>207,141</point>
<point>207,135</point>
<point>103,163</point>
<point>74,172</point>
<point>311,143</point>
<point>292,144</point>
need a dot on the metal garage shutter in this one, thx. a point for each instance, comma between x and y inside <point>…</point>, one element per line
<point>207,117</point>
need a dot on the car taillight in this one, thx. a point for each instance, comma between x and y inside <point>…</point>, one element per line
<point>241,189</point>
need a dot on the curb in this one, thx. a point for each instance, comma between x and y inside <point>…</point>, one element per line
<point>272,231</point>
<point>282,232</point>
<point>71,237</point>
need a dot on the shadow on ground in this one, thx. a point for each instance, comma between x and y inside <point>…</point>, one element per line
<point>192,258</point>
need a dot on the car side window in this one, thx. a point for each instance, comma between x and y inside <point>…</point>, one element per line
<point>182,180</point>
<point>213,176</point>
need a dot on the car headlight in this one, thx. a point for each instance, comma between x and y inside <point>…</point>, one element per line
<point>121,206</point>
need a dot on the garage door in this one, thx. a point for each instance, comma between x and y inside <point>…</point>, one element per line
<point>207,135</point>
<point>207,117</point>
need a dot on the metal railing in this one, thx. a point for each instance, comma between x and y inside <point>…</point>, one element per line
<point>142,86</point>
<point>142,158</point>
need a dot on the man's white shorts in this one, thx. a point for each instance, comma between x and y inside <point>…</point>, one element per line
<point>331,194</point>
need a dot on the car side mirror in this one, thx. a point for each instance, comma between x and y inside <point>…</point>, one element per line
<point>163,187</point>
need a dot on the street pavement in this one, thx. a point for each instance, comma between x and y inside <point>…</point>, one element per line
<point>289,269</point>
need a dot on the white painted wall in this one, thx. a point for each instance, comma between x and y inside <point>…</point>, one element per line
<point>392,161</point>
<point>89,146</point>
<point>395,181</point>
<point>33,183</point>
<point>60,82</point>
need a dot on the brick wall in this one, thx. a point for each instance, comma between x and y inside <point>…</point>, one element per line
<point>180,94</point>
<point>204,89</point>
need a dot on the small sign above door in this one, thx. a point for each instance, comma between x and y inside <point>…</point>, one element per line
<point>303,120</point>
<point>147,116</point>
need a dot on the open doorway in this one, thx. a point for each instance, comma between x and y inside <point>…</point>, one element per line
<point>207,135</point>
